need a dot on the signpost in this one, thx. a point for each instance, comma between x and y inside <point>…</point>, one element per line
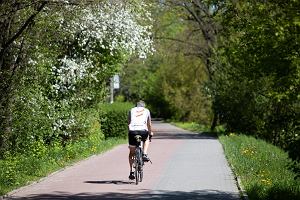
<point>114,84</point>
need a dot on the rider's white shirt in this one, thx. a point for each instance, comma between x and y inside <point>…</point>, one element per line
<point>138,119</point>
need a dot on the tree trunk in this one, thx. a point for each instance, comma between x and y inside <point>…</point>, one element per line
<point>10,62</point>
<point>214,122</point>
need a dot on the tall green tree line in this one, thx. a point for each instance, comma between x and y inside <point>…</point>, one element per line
<point>256,84</point>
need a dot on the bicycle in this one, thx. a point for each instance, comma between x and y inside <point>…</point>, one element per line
<point>138,160</point>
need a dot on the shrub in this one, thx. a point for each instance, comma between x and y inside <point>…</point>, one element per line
<point>113,119</point>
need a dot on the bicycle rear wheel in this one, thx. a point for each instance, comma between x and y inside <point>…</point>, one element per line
<point>141,163</point>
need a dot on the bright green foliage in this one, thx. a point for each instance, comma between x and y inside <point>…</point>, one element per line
<point>183,86</point>
<point>114,119</point>
<point>141,80</point>
<point>262,167</point>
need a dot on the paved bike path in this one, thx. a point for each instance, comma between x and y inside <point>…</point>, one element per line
<point>185,166</point>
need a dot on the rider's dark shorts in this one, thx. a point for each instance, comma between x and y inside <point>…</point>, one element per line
<point>132,134</point>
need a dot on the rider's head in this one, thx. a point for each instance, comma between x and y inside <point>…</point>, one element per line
<point>140,104</point>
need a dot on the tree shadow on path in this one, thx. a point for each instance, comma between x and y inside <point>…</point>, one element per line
<point>168,131</point>
<point>116,182</point>
<point>184,136</point>
<point>159,194</point>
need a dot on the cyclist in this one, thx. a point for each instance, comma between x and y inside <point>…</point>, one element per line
<point>139,123</point>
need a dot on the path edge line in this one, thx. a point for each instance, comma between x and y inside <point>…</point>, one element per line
<point>237,179</point>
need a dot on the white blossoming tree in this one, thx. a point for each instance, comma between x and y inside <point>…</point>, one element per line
<point>58,60</point>
<point>101,37</point>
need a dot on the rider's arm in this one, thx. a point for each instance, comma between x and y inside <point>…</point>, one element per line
<point>149,124</point>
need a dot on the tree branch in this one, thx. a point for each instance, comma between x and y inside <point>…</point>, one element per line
<point>20,31</point>
<point>176,40</point>
<point>17,8</point>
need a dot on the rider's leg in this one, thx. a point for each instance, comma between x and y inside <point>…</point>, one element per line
<point>146,145</point>
<point>131,155</point>
<point>145,150</point>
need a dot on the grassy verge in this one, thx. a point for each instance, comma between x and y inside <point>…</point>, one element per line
<point>263,168</point>
<point>20,170</point>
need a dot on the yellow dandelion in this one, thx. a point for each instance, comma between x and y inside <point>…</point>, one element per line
<point>232,134</point>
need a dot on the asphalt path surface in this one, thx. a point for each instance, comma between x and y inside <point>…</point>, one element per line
<point>184,165</point>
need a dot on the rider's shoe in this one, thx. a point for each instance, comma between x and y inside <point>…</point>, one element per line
<point>145,158</point>
<point>131,176</point>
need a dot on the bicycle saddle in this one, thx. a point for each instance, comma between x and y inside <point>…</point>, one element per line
<point>138,137</point>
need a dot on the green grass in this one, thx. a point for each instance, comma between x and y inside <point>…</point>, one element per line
<point>262,167</point>
<point>22,169</point>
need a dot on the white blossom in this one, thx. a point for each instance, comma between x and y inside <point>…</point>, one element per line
<point>112,25</point>
<point>115,27</point>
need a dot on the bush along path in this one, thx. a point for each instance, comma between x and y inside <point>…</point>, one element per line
<point>185,166</point>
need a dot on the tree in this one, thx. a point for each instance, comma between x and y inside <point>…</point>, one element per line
<point>16,19</point>
<point>56,57</point>
<point>256,84</point>
<point>202,33</point>
<point>171,81</point>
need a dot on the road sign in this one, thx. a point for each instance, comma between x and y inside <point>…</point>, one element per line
<point>116,81</point>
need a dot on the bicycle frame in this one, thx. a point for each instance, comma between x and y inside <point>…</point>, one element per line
<point>138,160</point>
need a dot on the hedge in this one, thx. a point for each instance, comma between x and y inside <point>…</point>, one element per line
<point>113,119</point>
